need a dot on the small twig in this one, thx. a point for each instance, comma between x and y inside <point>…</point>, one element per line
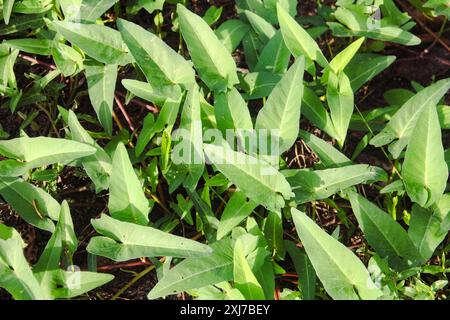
<point>124,265</point>
<point>422,24</point>
<point>140,103</point>
<point>124,112</point>
<point>136,279</point>
<point>35,61</point>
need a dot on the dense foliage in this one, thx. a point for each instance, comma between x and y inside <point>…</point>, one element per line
<point>206,183</point>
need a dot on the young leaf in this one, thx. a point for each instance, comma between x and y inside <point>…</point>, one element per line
<point>237,209</point>
<point>297,39</point>
<point>273,231</point>
<point>383,233</point>
<point>342,274</point>
<point>211,59</point>
<point>101,81</point>
<point>341,60</point>
<point>259,181</point>
<point>160,64</point>
<point>98,165</point>
<point>311,185</point>
<point>244,279</point>
<point>341,102</point>
<point>102,43</point>
<point>166,118</point>
<point>188,152</point>
<point>127,201</point>
<point>263,29</point>
<point>282,110</point>
<point>197,272</point>
<point>424,170</point>
<point>155,94</point>
<point>404,120</point>
<point>63,240</point>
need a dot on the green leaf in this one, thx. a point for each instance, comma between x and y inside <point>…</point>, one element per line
<point>363,26</point>
<point>232,113</point>
<point>365,66</point>
<point>342,274</point>
<point>231,33</point>
<point>383,233</point>
<point>102,43</point>
<point>252,47</point>
<point>212,15</point>
<point>124,241</point>
<point>127,201</point>
<point>298,40</point>
<point>71,284</point>
<point>160,64</point>
<point>91,10</point>
<point>311,185</point>
<point>429,227</point>
<point>273,231</point>
<point>43,151</point>
<point>211,59</point>
<point>98,166</point>
<point>275,56</point>
<point>33,204</point>
<point>22,22</point>
<point>263,29</point>
<point>68,60</point>
<point>155,94</point>
<point>36,46</point>
<point>63,240</point>
<point>305,270</point>
<point>314,111</point>
<point>198,272</point>
<point>329,156</point>
<point>282,110</point>
<point>166,118</point>
<point>404,120</point>
<point>259,181</point>
<point>244,279</point>
<point>189,152</point>
<point>101,81</point>
<point>424,170</point>
<point>7,9</point>
<point>259,84</point>
<point>15,273</point>
<point>237,209</point>
<point>341,103</point>
<point>342,59</point>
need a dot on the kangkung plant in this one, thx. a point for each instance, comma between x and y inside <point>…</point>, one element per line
<point>199,185</point>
